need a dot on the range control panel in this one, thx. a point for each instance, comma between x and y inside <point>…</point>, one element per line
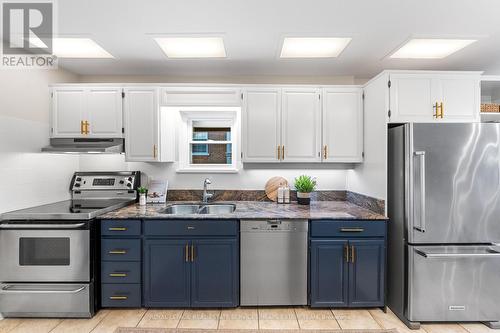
<point>122,180</point>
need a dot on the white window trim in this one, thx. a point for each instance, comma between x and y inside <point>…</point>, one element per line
<point>190,114</point>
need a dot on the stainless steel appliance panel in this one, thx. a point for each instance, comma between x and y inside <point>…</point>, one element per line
<point>454,283</point>
<point>274,262</point>
<point>46,300</point>
<point>44,255</point>
<point>456,183</point>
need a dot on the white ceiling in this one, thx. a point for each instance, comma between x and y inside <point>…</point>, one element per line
<point>253,31</point>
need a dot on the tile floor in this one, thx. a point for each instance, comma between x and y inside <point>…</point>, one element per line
<point>106,321</point>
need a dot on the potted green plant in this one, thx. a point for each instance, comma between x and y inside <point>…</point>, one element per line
<point>304,185</point>
<point>142,195</point>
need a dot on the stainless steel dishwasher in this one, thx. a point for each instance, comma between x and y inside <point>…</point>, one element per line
<point>273,262</point>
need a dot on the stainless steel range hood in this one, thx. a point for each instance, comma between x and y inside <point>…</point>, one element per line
<point>84,146</point>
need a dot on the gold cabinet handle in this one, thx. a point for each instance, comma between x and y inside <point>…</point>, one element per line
<point>436,112</point>
<point>117,252</point>
<point>82,126</point>
<point>155,151</point>
<point>325,152</point>
<point>116,298</point>
<point>117,229</point>
<point>441,113</point>
<point>283,152</point>
<point>118,274</point>
<point>279,152</point>
<point>346,253</point>
<point>353,254</point>
<point>192,253</point>
<point>352,229</point>
<point>186,253</point>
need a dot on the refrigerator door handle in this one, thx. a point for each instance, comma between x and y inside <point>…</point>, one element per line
<point>421,157</point>
<point>456,255</point>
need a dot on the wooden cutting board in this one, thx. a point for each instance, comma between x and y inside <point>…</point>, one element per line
<point>272,186</point>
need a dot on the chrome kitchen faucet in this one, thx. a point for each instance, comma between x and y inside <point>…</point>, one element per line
<point>206,194</point>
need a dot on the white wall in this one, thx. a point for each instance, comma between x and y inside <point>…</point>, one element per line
<point>370,177</point>
<point>29,177</point>
<point>246,179</point>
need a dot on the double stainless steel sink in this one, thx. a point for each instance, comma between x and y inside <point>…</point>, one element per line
<point>185,209</point>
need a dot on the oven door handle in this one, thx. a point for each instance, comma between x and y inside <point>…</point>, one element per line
<point>41,226</point>
<point>8,290</point>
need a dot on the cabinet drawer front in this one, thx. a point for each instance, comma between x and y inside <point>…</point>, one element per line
<point>120,272</point>
<point>330,228</point>
<point>121,227</point>
<point>120,249</point>
<point>190,227</point>
<point>121,295</point>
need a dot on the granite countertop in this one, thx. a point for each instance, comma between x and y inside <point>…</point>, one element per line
<point>255,210</point>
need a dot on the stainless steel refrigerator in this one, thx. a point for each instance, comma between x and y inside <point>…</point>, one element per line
<point>444,229</point>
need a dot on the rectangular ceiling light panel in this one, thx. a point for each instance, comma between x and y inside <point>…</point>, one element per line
<point>192,47</point>
<point>78,48</point>
<point>431,48</point>
<point>313,47</point>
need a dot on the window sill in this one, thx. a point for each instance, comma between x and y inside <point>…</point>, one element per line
<point>207,170</point>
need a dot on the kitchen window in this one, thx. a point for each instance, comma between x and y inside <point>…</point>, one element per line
<point>208,140</point>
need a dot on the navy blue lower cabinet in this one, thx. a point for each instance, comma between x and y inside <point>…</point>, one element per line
<point>214,273</point>
<point>367,273</point>
<point>347,263</point>
<point>329,273</point>
<point>167,273</point>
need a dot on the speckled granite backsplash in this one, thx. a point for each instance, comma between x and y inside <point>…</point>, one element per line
<point>375,205</point>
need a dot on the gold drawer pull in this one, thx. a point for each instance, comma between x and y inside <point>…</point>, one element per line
<point>192,253</point>
<point>353,254</point>
<point>118,274</point>
<point>187,252</point>
<point>117,252</point>
<point>352,229</point>
<point>118,298</point>
<point>117,229</point>
<point>346,253</point>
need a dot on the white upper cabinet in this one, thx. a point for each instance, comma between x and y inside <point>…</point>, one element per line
<point>429,97</point>
<point>342,125</point>
<point>301,125</point>
<point>461,97</point>
<point>261,124</point>
<point>86,112</point>
<point>105,112</point>
<point>68,112</point>
<point>141,110</point>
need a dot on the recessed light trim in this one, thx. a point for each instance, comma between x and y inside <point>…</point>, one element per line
<point>192,47</point>
<point>430,48</point>
<point>313,47</point>
<point>64,47</point>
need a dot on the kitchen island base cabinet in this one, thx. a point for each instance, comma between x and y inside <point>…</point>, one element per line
<point>347,264</point>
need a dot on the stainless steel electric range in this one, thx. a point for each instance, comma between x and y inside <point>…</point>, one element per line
<point>48,254</point>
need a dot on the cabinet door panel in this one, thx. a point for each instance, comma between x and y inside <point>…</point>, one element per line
<point>460,98</point>
<point>329,273</point>
<point>367,273</point>
<point>342,125</point>
<point>141,124</point>
<point>301,129</point>
<point>412,97</point>
<point>215,273</point>
<point>104,113</point>
<point>68,111</point>
<point>166,273</point>
<point>261,125</point>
